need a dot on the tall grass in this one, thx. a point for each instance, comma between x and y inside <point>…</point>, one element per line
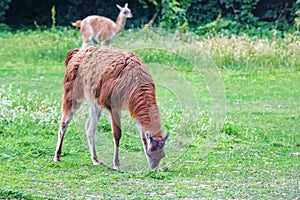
<point>234,52</point>
<point>253,54</point>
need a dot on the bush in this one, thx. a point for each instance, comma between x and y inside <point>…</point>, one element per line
<point>4,5</point>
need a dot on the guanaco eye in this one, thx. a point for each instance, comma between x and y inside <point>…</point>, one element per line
<point>125,12</point>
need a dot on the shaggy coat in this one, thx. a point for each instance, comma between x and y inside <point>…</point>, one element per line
<point>112,79</point>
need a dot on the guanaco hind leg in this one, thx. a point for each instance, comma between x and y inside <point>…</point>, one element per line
<point>65,120</point>
<point>68,110</point>
<point>90,128</point>
<point>117,133</point>
<point>69,107</point>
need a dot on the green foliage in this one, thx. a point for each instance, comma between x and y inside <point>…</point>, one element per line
<point>218,26</point>
<point>202,12</point>
<point>242,11</point>
<point>172,13</point>
<point>4,6</point>
<point>257,17</point>
<point>4,29</point>
<point>239,17</point>
<point>297,17</point>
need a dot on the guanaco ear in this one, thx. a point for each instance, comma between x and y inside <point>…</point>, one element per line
<point>149,137</point>
<point>126,5</point>
<point>119,7</point>
<point>166,137</point>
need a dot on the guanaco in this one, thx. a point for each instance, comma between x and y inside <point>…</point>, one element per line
<point>96,28</point>
<point>114,80</point>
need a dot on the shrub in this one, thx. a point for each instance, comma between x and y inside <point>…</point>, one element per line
<point>4,5</point>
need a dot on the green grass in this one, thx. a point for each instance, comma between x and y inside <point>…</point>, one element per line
<point>252,153</point>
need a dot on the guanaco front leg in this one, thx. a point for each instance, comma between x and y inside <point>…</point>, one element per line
<point>117,133</point>
<point>90,127</point>
<point>143,136</point>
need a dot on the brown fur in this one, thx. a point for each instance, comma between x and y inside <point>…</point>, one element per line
<point>116,80</point>
<point>69,97</point>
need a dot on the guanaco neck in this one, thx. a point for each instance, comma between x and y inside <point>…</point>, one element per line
<point>144,110</point>
<point>120,23</point>
<point>152,122</point>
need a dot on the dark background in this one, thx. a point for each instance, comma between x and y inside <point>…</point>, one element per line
<point>29,13</point>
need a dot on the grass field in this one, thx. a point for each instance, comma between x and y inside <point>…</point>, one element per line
<point>232,104</point>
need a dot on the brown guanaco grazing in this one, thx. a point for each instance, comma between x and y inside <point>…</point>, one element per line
<point>114,80</point>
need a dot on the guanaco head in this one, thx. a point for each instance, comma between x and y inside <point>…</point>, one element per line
<point>155,151</point>
<point>126,12</point>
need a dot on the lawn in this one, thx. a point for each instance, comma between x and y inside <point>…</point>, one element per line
<point>231,103</point>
